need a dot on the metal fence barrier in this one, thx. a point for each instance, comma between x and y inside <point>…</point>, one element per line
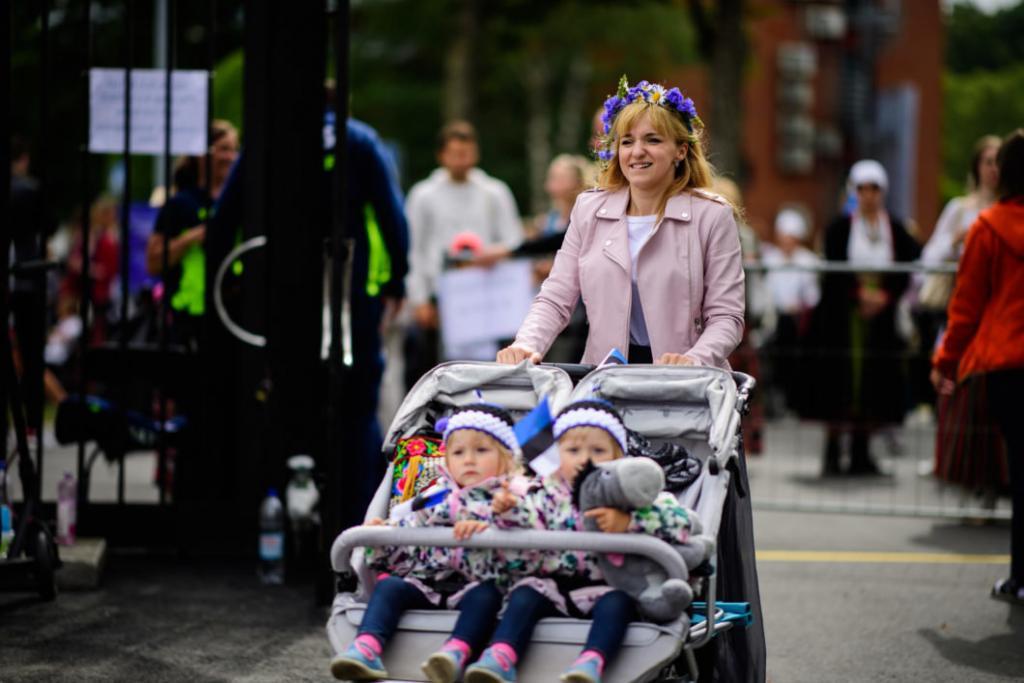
<point>786,449</point>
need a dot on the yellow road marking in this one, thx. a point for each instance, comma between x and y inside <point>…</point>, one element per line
<point>877,557</point>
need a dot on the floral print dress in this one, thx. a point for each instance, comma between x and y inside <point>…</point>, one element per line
<point>451,571</point>
<point>548,505</point>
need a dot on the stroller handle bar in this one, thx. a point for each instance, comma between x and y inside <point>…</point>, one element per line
<point>744,383</point>
<point>512,539</point>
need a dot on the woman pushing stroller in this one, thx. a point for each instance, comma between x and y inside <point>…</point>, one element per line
<point>654,254</point>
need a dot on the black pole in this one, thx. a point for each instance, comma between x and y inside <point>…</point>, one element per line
<point>5,195</point>
<point>126,204</point>
<point>169,35</point>
<point>287,199</point>
<point>86,280</point>
<point>41,278</point>
<point>337,507</point>
<point>211,62</point>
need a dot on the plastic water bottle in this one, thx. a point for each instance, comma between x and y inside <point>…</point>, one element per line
<point>67,509</point>
<point>271,569</point>
<point>6,518</point>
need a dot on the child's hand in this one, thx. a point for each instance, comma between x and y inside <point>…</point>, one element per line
<point>610,520</point>
<point>376,521</point>
<point>504,500</point>
<point>467,527</point>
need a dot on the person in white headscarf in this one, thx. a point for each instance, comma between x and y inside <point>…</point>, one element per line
<point>855,353</point>
<point>793,295</point>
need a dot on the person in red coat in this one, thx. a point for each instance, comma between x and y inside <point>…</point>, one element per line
<point>986,332</point>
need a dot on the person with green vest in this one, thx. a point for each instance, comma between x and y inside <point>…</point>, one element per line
<point>181,225</point>
<point>376,216</point>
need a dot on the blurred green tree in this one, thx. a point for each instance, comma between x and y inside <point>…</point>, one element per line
<point>983,86</point>
<point>529,73</point>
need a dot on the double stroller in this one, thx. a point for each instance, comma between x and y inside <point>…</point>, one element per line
<point>696,408</point>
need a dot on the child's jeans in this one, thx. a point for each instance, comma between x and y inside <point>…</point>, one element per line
<point>610,618</point>
<point>478,610</point>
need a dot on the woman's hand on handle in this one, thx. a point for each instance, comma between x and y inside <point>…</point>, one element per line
<point>675,359</point>
<point>513,355</point>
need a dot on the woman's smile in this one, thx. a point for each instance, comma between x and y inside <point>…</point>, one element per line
<point>648,157</point>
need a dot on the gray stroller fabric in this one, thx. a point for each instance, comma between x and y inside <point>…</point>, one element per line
<point>514,387</point>
<point>702,401</point>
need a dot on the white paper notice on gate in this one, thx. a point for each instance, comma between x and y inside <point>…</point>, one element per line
<point>188,111</point>
<point>484,304</point>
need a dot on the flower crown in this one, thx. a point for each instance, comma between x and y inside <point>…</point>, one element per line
<point>653,94</point>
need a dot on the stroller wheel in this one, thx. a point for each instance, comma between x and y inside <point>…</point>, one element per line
<point>46,564</point>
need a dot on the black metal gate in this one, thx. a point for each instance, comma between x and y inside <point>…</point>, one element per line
<point>247,408</point>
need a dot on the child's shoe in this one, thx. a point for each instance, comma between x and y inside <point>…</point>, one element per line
<point>358,663</point>
<point>586,669</point>
<point>494,666</point>
<point>445,665</point>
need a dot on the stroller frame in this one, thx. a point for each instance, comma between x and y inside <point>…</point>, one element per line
<point>650,650</point>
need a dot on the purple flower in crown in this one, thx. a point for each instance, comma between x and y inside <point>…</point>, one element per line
<point>612,106</point>
<point>605,154</point>
<point>684,105</point>
<point>688,108</point>
<point>638,92</point>
<point>675,100</point>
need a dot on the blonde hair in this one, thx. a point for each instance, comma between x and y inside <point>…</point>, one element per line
<point>577,433</point>
<point>583,169</point>
<point>694,171</point>
<point>980,146</point>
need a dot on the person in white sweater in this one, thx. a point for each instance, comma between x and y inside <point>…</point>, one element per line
<point>454,199</point>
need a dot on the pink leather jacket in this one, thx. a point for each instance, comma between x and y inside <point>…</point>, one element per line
<point>690,279</point>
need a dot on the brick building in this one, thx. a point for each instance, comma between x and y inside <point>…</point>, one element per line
<point>827,83</point>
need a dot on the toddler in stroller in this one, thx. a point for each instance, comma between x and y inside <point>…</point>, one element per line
<point>480,461</point>
<point>570,582</point>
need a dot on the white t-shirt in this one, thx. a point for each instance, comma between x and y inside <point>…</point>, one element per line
<point>640,229</point>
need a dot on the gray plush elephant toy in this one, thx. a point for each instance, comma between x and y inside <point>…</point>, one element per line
<point>627,484</point>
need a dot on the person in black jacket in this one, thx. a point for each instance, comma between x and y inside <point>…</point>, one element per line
<point>31,223</point>
<point>854,346</point>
